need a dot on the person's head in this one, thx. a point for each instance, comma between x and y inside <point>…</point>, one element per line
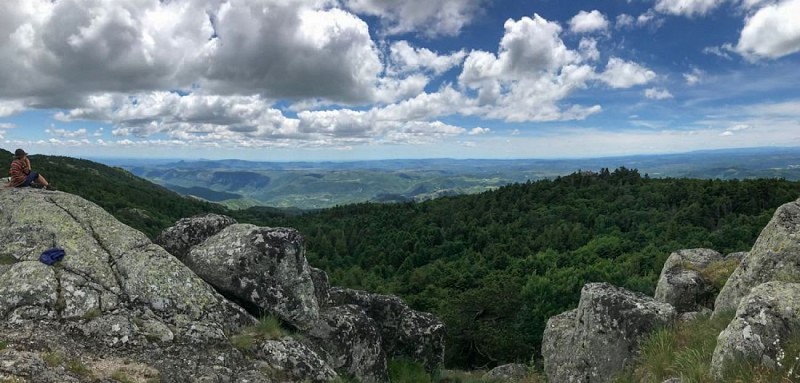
<point>19,153</point>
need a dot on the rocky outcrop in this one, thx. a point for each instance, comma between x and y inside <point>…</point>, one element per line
<point>682,283</point>
<point>352,343</point>
<point>288,359</point>
<point>765,321</point>
<point>513,372</point>
<point>114,297</point>
<point>189,232</point>
<point>602,336</point>
<point>263,269</point>
<point>406,333</point>
<point>774,257</point>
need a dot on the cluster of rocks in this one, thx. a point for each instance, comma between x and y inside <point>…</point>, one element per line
<point>603,336</point>
<point>119,303</point>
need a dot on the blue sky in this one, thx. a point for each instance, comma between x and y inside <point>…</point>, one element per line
<point>372,79</point>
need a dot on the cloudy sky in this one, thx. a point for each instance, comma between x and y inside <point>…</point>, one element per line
<point>366,79</point>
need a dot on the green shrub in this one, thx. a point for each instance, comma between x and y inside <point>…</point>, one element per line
<point>405,371</point>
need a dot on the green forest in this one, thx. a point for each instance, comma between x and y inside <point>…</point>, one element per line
<point>494,266</point>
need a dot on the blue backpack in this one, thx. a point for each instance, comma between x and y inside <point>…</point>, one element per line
<point>52,255</point>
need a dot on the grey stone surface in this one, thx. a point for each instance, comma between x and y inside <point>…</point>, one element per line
<point>406,333</point>
<point>774,257</point>
<point>189,232</point>
<point>765,320</point>
<point>289,360</point>
<point>264,269</point>
<point>322,287</point>
<point>351,343</point>
<point>681,283</point>
<point>512,372</point>
<point>604,336</point>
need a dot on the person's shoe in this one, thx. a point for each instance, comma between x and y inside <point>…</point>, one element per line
<point>37,186</point>
<point>50,187</point>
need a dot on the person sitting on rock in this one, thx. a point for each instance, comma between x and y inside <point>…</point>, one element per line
<point>21,173</point>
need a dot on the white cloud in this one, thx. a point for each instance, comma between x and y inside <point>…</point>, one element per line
<point>624,20</point>
<point>55,51</point>
<point>772,32</point>
<point>585,22</point>
<point>688,8</point>
<point>721,51</point>
<point>479,131</point>
<point>443,17</point>
<point>588,49</point>
<point>657,94</point>
<point>64,133</point>
<point>8,108</point>
<point>404,59</point>
<point>625,74</point>
<point>7,125</point>
<point>694,77</point>
<point>726,133</point>
<point>529,76</point>
<point>649,18</point>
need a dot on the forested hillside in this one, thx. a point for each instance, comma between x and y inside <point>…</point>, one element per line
<point>497,265</point>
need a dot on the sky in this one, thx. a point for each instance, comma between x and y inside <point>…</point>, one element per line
<point>279,80</point>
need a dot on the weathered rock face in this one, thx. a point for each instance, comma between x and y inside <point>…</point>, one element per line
<point>560,333</point>
<point>775,257</point>
<point>189,232</point>
<point>290,360</point>
<point>602,336</point>
<point>114,297</point>
<point>322,286</point>
<point>764,322</point>
<point>262,268</point>
<point>352,343</point>
<point>513,372</point>
<point>406,333</point>
<point>108,267</point>
<point>682,285</point>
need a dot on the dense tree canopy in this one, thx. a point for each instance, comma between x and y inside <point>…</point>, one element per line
<point>497,265</point>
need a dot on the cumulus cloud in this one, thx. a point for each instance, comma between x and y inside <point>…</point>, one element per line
<point>281,49</point>
<point>721,51</point>
<point>8,108</point>
<point>772,32</point>
<point>657,94</point>
<point>694,77</point>
<point>529,76</point>
<point>689,8</point>
<point>479,131</point>
<point>625,20</point>
<point>404,58</point>
<point>625,74</point>
<point>444,17</point>
<point>585,22</point>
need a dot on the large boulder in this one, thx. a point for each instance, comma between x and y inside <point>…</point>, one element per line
<point>189,232</point>
<point>108,267</point>
<point>774,257</point>
<point>682,283</point>
<point>765,322</point>
<point>603,335</point>
<point>560,332</point>
<point>406,333</point>
<point>264,269</point>
<point>115,301</point>
<point>352,343</point>
<point>322,286</point>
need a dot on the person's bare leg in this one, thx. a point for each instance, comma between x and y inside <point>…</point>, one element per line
<point>41,180</point>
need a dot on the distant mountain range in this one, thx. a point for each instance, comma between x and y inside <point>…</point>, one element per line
<point>315,185</point>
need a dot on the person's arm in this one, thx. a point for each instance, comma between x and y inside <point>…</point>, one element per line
<point>27,168</point>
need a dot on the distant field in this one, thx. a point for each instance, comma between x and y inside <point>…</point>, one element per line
<point>305,185</point>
